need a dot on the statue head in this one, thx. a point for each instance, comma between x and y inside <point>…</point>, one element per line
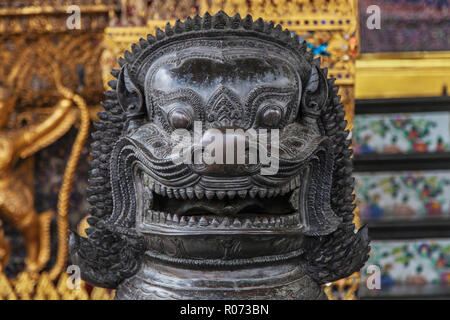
<point>160,191</point>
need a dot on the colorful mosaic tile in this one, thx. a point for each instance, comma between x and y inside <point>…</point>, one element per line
<point>402,133</point>
<point>403,194</point>
<point>411,262</point>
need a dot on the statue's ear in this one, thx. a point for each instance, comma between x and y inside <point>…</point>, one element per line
<point>316,92</point>
<point>130,97</point>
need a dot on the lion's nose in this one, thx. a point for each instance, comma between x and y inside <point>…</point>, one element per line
<point>227,152</point>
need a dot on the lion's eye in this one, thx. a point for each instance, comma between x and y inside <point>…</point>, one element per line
<point>271,116</point>
<point>180,119</point>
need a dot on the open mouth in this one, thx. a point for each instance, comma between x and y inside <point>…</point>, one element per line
<point>195,210</point>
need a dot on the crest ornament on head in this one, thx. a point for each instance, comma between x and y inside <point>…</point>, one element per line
<point>161,228</point>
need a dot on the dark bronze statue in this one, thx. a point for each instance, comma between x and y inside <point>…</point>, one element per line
<point>168,229</point>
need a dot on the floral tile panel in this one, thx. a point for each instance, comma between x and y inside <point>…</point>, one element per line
<point>412,262</point>
<point>402,133</point>
<point>403,195</point>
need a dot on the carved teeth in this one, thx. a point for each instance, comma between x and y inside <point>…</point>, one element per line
<point>278,221</point>
<point>242,193</point>
<point>148,198</point>
<point>192,221</point>
<point>220,194</point>
<point>231,194</point>
<point>219,222</point>
<point>203,221</point>
<point>225,222</point>
<point>199,193</point>
<point>214,222</point>
<point>159,217</point>
<point>295,199</point>
<point>183,193</point>
<point>190,193</point>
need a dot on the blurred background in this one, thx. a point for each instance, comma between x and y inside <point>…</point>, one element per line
<point>391,59</point>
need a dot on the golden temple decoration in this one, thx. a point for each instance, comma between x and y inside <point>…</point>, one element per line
<point>6,288</point>
<point>30,284</point>
<point>69,173</point>
<point>409,74</point>
<point>29,77</point>
<point>344,289</point>
<point>170,10</point>
<point>28,26</point>
<point>50,15</point>
<point>35,286</point>
<point>16,196</point>
<point>5,249</point>
<point>16,193</point>
<point>49,75</point>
